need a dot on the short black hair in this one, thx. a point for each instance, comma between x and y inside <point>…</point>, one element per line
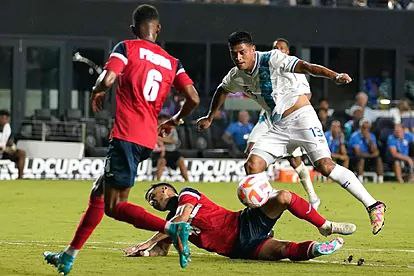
<point>322,100</point>
<point>153,186</point>
<point>144,13</point>
<point>239,38</point>
<point>4,112</point>
<point>283,40</point>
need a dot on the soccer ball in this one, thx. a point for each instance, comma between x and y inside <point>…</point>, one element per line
<point>254,190</point>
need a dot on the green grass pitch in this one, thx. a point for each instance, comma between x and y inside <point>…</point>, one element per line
<point>42,215</point>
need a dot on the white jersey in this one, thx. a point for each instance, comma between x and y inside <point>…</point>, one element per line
<point>4,137</point>
<point>272,82</point>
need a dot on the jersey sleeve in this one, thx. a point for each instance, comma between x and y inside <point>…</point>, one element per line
<point>374,139</point>
<point>181,79</point>
<point>118,58</point>
<point>286,63</point>
<point>231,129</point>
<point>189,195</point>
<point>391,142</point>
<point>229,82</point>
<point>354,141</point>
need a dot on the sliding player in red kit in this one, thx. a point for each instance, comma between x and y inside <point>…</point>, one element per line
<point>145,74</point>
<point>240,234</point>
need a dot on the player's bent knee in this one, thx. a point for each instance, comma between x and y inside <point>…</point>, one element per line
<point>325,166</point>
<point>162,162</point>
<point>254,164</point>
<point>110,210</point>
<point>284,197</point>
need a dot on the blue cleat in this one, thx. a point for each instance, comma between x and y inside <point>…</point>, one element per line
<point>62,261</point>
<point>179,233</point>
<point>328,248</point>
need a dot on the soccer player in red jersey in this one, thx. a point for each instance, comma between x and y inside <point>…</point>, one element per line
<point>242,234</point>
<point>145,74</point>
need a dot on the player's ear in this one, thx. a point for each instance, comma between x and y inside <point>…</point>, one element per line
<point>158,28</point>
<point>254,47</point>
<point>133,29</point>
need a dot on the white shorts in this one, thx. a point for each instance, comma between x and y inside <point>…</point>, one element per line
<point>301,128</point>
<point>260,129</point>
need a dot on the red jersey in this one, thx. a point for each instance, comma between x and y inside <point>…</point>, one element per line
<point>216,229</point>
<point>146,73</point>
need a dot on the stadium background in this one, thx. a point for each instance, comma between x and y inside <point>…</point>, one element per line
<point>46,85</point>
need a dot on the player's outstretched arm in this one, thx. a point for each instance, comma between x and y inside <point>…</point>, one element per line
<point>105,81</point>
<point>183,213</point>
<point>217,101</point>
<point>161,248</point>
<point>192,100</point>
<point>316,70</point>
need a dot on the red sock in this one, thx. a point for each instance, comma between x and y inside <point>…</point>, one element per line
<point>303,210</point>
<point>90,219</point>
<point>299,251</point>
<point>138,216</point>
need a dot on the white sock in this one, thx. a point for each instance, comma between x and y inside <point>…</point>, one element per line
<point>71,251</point>
<point>306,182</point>
<point>361,178</point>
<point>350,182</point>
<point>380,179</point>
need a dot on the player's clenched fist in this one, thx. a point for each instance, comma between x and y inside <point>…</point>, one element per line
<point>342,78</point>
<point>97,101</point>
<point>203,123</point>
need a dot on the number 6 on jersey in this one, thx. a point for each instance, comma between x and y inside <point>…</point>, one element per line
<point>152,85</point>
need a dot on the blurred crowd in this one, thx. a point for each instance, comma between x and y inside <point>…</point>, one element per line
<point>387,4</point>
<point>363,139</point>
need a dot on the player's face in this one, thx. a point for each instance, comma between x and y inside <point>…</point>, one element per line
<point>399,131</point>
<point>243,56</point>
<point>158,198</point>
<point>335,129</point>
<point>4,120</point>
<point>281,46</point>
<point>244,117</point>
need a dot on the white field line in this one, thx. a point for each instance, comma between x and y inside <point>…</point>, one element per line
<point>199,252</point>
<point>49,243</point>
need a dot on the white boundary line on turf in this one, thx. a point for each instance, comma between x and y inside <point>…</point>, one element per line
<point>133,242</point>
<point>198,252</point>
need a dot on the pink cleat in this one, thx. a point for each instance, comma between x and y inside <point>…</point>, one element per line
<point>376,214</point>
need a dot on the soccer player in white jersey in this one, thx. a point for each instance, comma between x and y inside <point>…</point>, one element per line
<point>267,78</point>
<point>295,159</point>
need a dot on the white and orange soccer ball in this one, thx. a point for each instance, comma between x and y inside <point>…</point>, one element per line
<point>254,190</point>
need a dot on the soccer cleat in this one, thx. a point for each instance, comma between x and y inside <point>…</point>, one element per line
<point>376,214</point>
<point>327,248</point>
<point>179,233</point>
<point>342,228</point>
<point>315,204</point>
<point>62,261</point>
